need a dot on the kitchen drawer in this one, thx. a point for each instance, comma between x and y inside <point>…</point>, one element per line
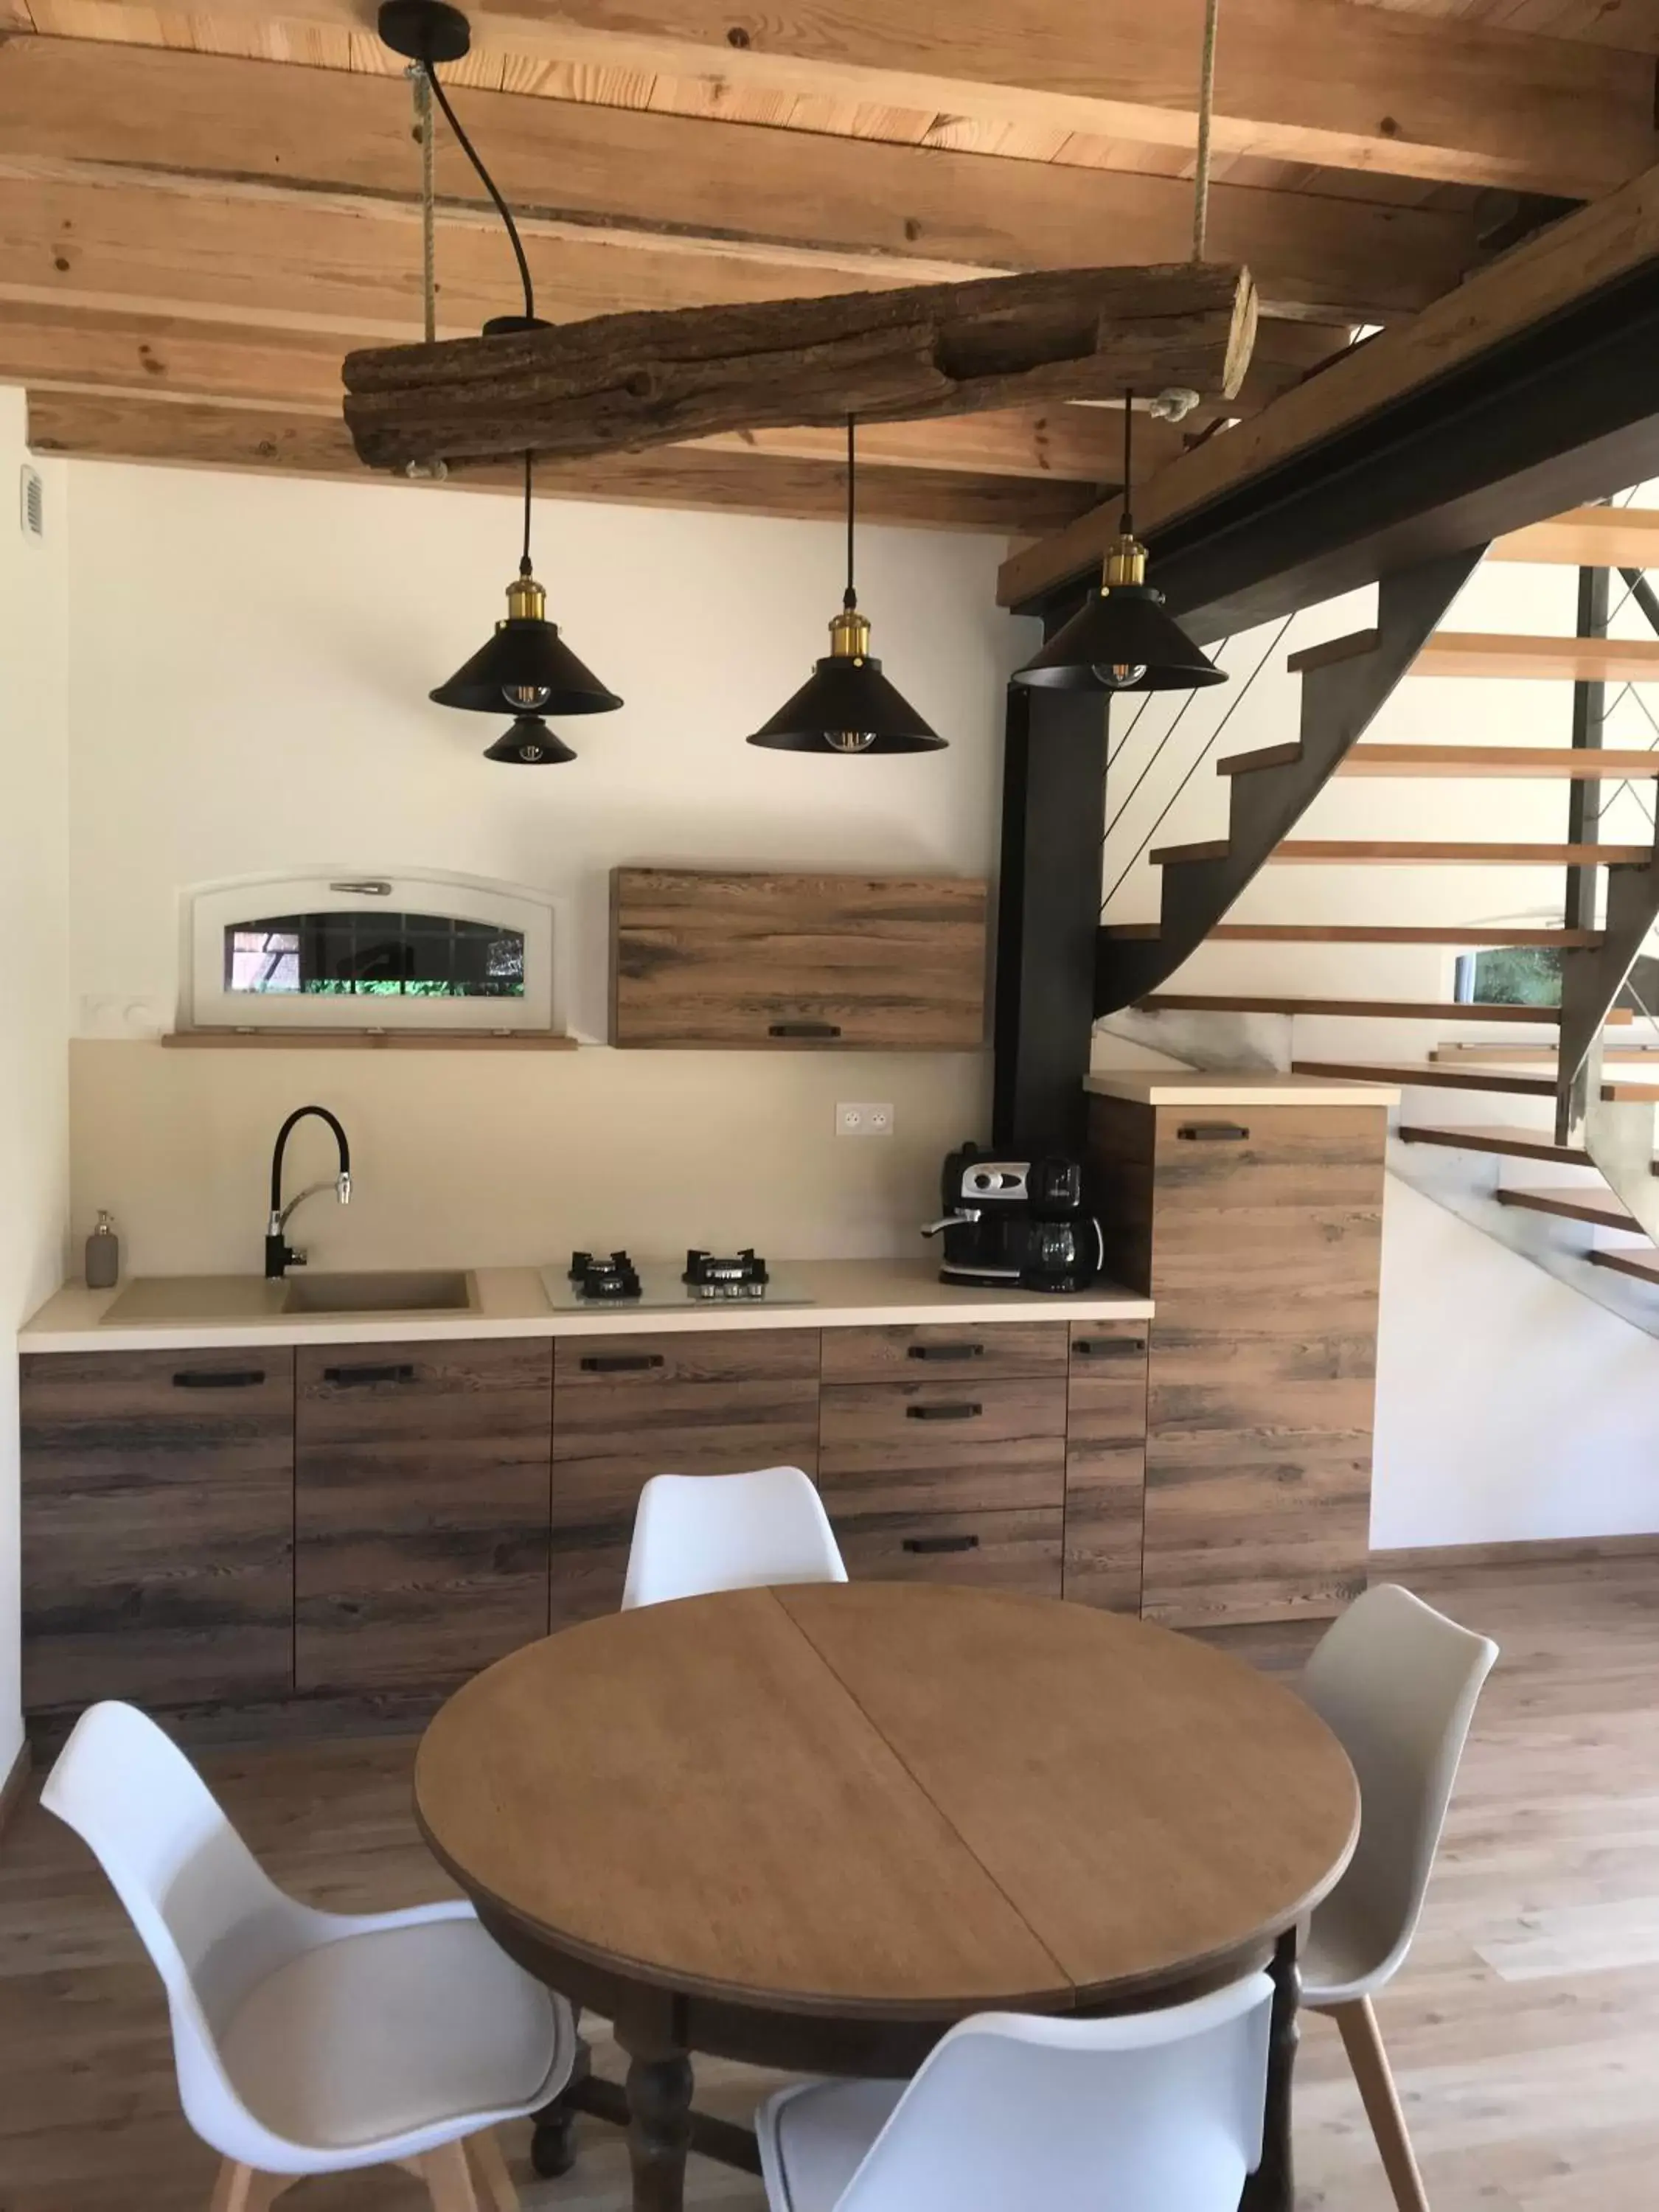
<point>157,1505</point>
<point>962,1445</point>
<point>421,1510</point>
<point>1106,1464</point>
<point>1006,1551</point>
<point>599,1363</point>
<point>612,1433</point>
<point>1275,1157</point>
<point>796,962</point>
<point>905,1353</point>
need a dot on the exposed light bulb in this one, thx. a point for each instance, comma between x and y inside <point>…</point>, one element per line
<point>1119,675</point>
<point>850,741</point>
<point>529,697</point>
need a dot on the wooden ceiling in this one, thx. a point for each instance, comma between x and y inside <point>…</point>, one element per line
<point>200,213</point>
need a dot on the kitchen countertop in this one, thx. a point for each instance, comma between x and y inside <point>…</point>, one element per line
<point>1193,1087</point>
<point>510,1301</point>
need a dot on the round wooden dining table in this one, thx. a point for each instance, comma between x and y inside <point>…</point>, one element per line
<point>811,1827</point>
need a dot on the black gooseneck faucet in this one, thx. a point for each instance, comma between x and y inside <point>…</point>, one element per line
<point>280,1256</point>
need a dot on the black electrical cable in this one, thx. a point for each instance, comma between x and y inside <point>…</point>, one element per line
<point>488,184</point>
<point>850,597</point>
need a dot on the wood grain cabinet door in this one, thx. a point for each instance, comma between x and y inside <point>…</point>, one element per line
<point>717,1402</point>
<point>791,963</point>
<point>1266,1242</point>
<point>157,1526</point>
<point>420,1510</point>
<point>1016,1551</point>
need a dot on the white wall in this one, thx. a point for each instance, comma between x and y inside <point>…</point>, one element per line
<point>33,977</point>
<point>250,696</point>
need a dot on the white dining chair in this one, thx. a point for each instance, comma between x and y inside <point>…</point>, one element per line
<point>696,1533</point>
<point>1010,2113</point>
<point>1397,1683</point>
<point>308,2042</point>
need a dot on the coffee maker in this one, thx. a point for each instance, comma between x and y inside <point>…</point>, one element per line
<point>1065,1246</point>
<point>983,1219</point>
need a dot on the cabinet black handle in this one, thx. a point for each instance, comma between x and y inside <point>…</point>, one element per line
<point>804,1029</point>
<point>941,1543</point>
<point>619,1363</point>
<point>350,1378</point>
<point>223,1378</point>
<point>964,1413</point>
<point>945,1352</point>
<point>1109,1347</point>
<point>1213,1133</point>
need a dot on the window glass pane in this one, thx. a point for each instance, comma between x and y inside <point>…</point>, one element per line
<point>363,954</point>
<point>1517,975</point>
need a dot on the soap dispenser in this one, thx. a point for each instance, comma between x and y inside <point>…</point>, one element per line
<point>103,1256</point>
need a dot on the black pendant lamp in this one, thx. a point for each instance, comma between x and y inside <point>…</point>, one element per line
<point>847,705</point>
<point>526,667</point>
<point>1122,639</point>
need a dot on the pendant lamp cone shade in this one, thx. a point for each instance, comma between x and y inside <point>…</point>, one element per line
<point>1123,638</point>
<point>527,666</point>
<point>847,705</point>
<point>529,743</point>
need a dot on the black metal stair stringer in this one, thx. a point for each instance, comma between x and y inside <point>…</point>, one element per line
<point>1340,701</point>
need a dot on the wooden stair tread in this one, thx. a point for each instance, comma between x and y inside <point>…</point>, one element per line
<point>1644,1265</point>
<point>1628,1055</point>
<point>1330,852</point>
<point>1572,1205</point>
<point>1587,538</point>
<point>1580,763</point>
<point>1400,1010</point>
<point>1492,654</point>
<point>1513,1144</point>
<point>1427,1076</point>
<point>1323,932</point>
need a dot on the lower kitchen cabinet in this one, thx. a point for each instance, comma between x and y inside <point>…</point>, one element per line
<point>1106,1464</point>
<point>1018,1550</point>
<point>626,1407</point>
<point>157,1526</point>
<point>421,1510</point>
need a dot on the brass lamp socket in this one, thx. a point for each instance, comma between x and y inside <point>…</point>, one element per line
<point>525,600</point>
<point>849,635</point>
<point>1126,562</point>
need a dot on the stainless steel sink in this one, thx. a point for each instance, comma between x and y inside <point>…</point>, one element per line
<point>430,1290</point>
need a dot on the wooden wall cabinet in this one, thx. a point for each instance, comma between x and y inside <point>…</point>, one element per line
<point>422,1478</point>
<point>791,963</point>
<point>1257,1230</point>
<point>157,1526</point>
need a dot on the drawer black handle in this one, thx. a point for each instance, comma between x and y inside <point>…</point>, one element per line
<point>804,1029</point>
<point>223,1378</point>
<point>1110,1347</point>
<point>620,1363</point>
<point>965,1413</point>
<point>352,1378</point>
<point>945,1352</point>
<point>1213,1133</point>
<point>941,1543</point>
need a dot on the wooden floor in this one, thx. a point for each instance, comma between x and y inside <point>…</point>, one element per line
<point>1524,2030</point>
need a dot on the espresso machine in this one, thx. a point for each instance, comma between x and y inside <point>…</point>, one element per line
<point>1014,1225</point>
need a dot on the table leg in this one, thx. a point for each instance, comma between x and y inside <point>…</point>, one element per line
<point>553,2143</point>
<point>1271,2187</point>
<point>659,2125</point>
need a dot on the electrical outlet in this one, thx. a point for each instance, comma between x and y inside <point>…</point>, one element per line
<point>866,1121</point>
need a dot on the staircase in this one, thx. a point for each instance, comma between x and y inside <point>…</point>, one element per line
<point>1599,1087</point>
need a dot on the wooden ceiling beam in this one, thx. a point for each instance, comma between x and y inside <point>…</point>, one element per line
<point>105,426</point>
<point>182,358</point>
<point>1539,297</point>
<point>70,108</point>
<point>1304,81</point>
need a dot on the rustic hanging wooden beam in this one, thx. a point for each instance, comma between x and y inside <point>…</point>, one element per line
<point>620,383</point>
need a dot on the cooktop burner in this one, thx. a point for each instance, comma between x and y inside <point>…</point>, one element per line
<point>595,1279</point>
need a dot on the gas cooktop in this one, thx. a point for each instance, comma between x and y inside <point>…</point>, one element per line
<point>595,1280</point>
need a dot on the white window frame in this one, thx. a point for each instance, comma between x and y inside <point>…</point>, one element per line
<point>213,908</point>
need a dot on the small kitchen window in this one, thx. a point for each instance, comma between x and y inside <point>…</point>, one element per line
<point>371,952</point>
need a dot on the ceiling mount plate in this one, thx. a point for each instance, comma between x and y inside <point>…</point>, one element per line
<point>424,30</point>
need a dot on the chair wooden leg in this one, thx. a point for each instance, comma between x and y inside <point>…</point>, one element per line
<point>448,2179</point>
<point>1362,2039</point>
<point>243,2188</point>
<point>484,2150</point>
